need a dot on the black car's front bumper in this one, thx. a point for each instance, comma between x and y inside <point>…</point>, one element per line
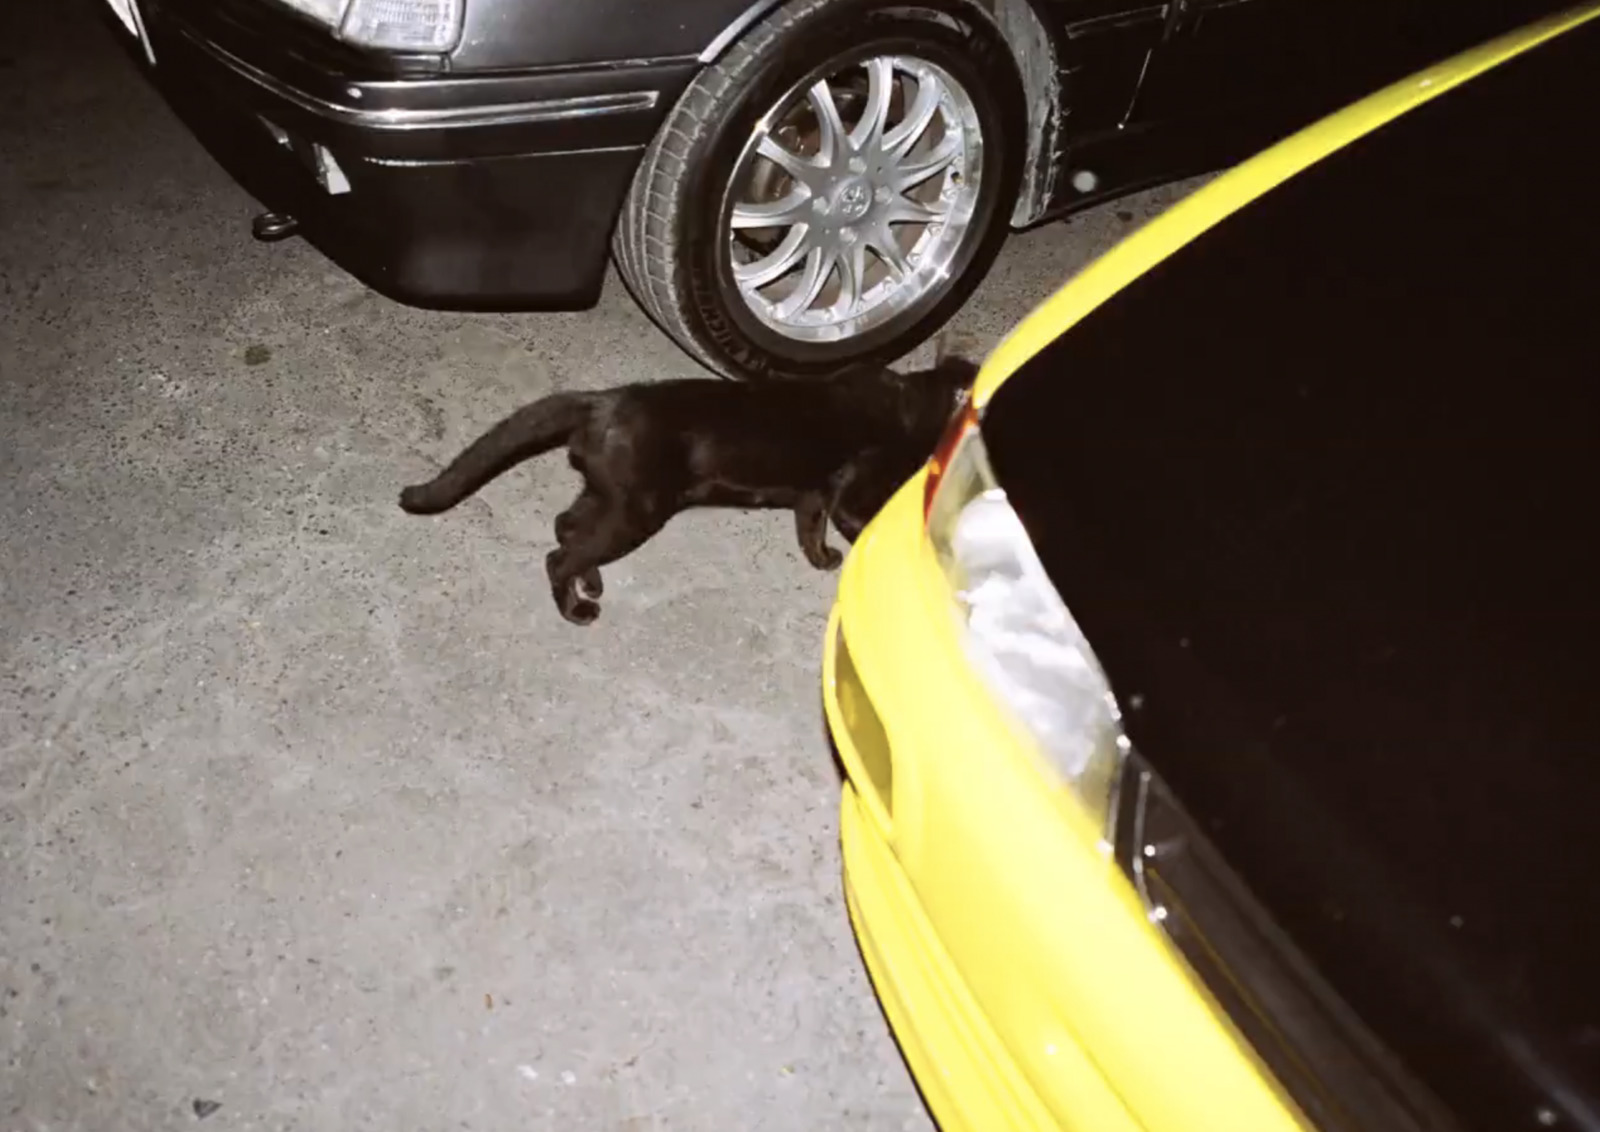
<point>440,190</point>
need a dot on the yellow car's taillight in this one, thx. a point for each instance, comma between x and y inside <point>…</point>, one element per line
<point>965,419</point>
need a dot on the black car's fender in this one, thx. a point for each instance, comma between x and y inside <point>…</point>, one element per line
<point>1086,55</point>
<point>505,35</point>
<point>528,34</point>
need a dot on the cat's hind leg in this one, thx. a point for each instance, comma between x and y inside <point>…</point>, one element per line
<point>581,514</point>
<point>610,532</point>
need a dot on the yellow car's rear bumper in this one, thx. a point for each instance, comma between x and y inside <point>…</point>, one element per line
<point>1015,962</point>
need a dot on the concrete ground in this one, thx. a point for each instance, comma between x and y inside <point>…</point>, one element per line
<point>319,813</point>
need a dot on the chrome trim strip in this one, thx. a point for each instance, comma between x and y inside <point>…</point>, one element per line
<point>1142,847</point>
<point>1336,1072</point>
<point>435,162</point>
<point>502,114</point>
<point>738,27</point>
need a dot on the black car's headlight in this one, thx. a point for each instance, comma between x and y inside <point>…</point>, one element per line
<point>1016,630</point>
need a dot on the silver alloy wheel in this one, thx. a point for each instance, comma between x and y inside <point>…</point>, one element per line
<point>853,197</point>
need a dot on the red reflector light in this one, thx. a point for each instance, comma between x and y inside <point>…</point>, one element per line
<point>965,418</point>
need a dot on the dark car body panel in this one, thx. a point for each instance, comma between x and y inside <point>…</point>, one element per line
<point>1193,85</point>
<point>487,209</point>
<point>1320,489</point>
<point>481,192</point>
<point>502,36</point>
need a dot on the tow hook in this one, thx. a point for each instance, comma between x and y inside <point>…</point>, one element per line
<point>270,227</point>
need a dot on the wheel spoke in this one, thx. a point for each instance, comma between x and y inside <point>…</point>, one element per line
<point>853,199</point>
<point>789,210</point>
<point>779,262</point>
<point>791,163</point>
<point>868,133</point>
<point>829,125</point>
<point>910,174</point>
<point>819,264</point>
<point>888,249</point>
<point>852,273</point>
<point>904,210</point>
<point>909,130</point>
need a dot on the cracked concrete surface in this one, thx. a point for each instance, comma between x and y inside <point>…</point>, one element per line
<point>318,813</point>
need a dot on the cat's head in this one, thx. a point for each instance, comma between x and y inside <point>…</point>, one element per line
<point>929,397</point>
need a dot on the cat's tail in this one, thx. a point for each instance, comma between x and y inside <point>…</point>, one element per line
<point>531,431</point>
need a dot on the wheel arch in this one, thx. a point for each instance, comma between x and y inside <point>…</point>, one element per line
<point>1038,57</point>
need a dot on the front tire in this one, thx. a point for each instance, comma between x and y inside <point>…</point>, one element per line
<point>830,191</point>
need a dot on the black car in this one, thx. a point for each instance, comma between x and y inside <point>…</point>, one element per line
<point>785,186</point>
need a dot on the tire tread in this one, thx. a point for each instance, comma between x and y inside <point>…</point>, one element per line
<point>652,202</point>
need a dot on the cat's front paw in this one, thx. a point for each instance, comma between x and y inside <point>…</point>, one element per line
<point>827,558</point>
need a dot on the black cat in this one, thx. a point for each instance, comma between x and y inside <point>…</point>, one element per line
<point>833,449</point>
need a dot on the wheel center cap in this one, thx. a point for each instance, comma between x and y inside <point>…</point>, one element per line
<point>854,200</point>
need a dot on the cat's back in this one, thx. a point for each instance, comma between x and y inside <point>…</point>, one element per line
<point>775,408</point>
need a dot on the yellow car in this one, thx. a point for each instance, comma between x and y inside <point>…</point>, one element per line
<point>1217,706</point>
